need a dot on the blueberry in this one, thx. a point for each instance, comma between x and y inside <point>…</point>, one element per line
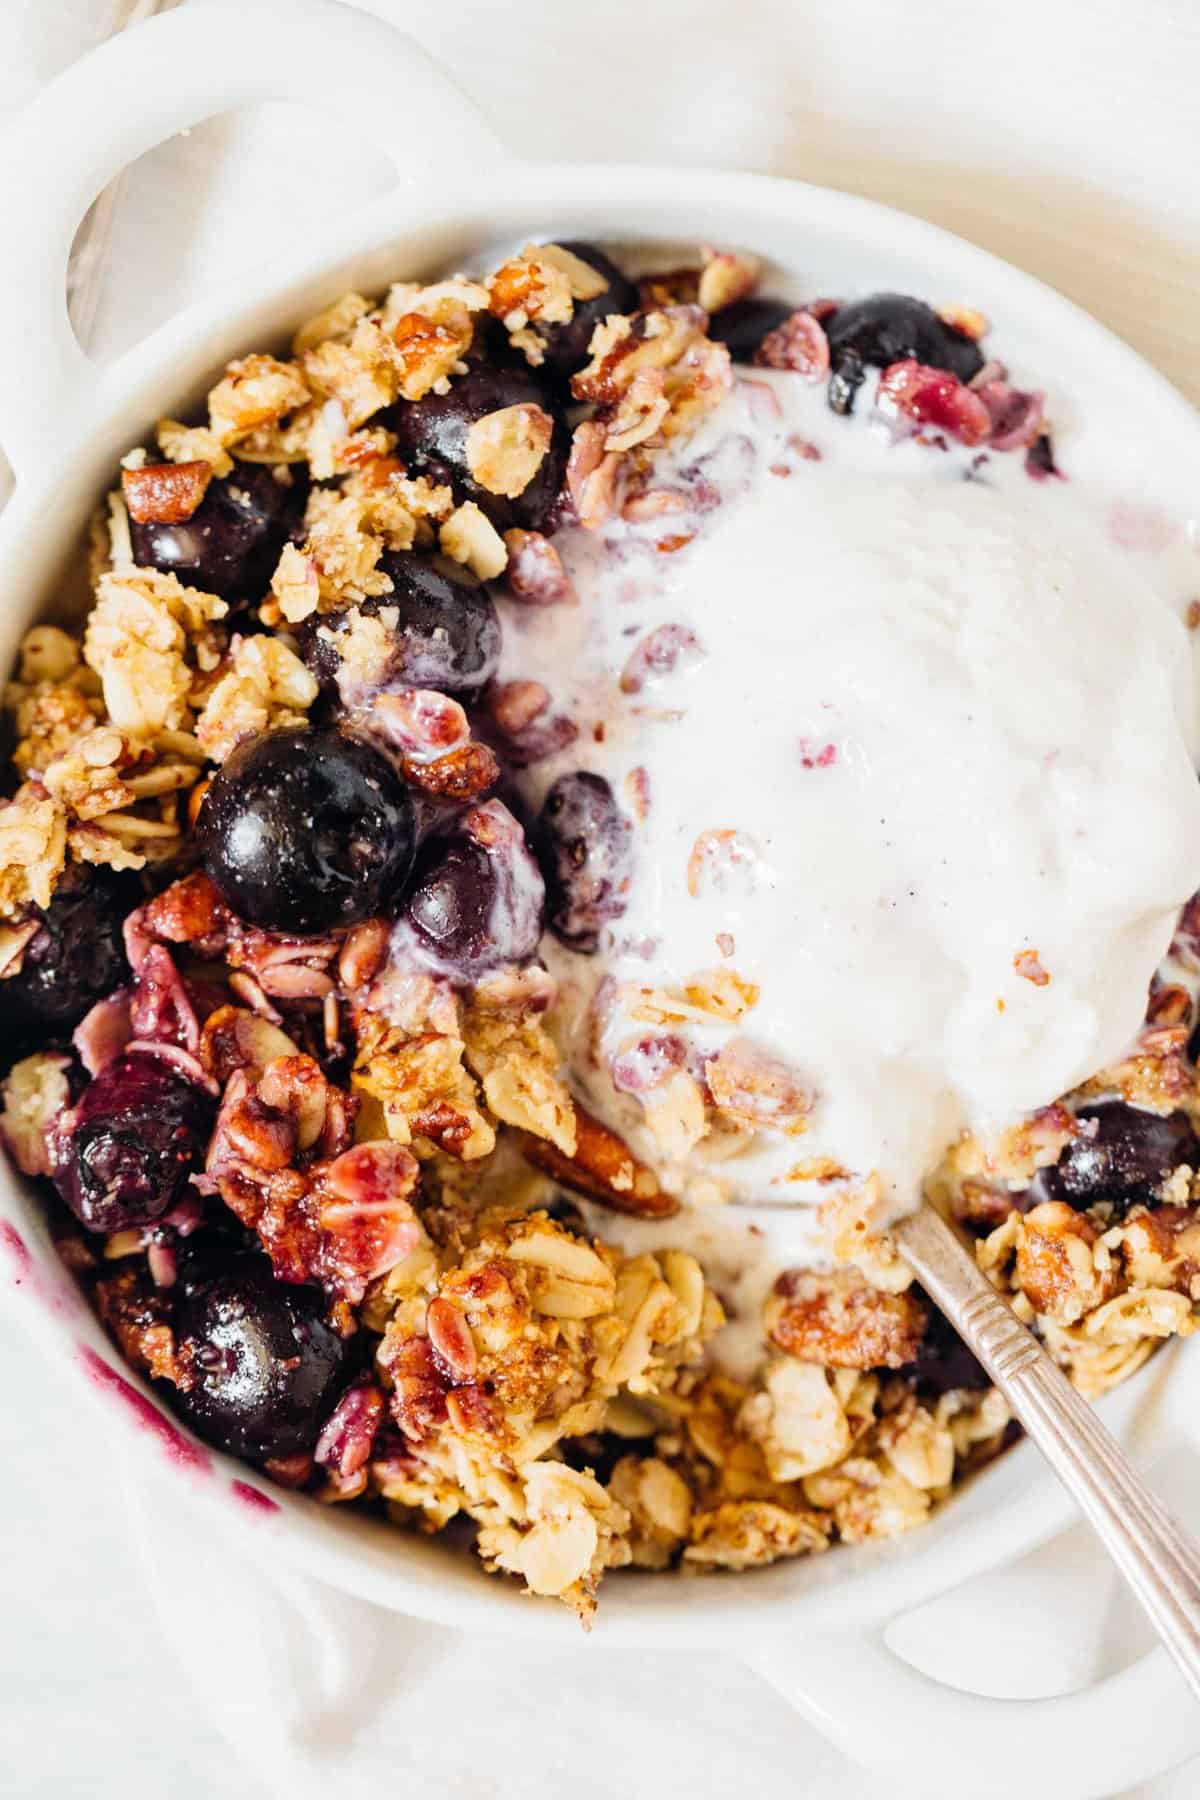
<point>1124,1158</point>
<point>888,328</point>
<point>132,1142</point>
<point>563,1210</point>
<point>943,1361</point>
<point>232,541</point>
<point>585,845</point>
<point>566,345</point>
<point>745,324</point>
<point>477,898</point>
<point>302,832</point>
<point>77,957</point>
<point>266,1363</point>
<point>447,635</point>
<point>433,433</point>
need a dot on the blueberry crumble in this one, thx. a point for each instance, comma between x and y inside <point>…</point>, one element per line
<point>557,757</point>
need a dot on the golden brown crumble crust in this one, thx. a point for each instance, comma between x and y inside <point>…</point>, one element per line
<point>533,1379</point>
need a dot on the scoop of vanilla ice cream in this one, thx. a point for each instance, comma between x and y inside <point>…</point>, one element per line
<point>954,735</point>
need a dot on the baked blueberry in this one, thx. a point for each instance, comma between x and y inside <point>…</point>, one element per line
<point>302,832</point>
<point>131,1144</point>
<point>1123,1156</point>
<point>477,897</point>
<point>266,1364</point>
<point>585,846</point>
<point>745,324</point>
<point>943,1362</point>
<point>447,634</point>
<point>437,438</point>
<point>889,328</point>
<point>77,957</point>
<point>232,541</point>
<point>566,345</point>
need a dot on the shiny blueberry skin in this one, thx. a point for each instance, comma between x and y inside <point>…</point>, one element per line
<point>433,432</point>
<point>302,832</point>
<point>77,957</point>
<point>745,324</point>
<point>888,328</point>
<point>1124,1161</point>
<point>447,635</point>
<point>585,846</point>
<point>566,345</point>
<point>474,908</point>
<point>267,1364</point>
<point>232,541</point>
<point>136,1135</point>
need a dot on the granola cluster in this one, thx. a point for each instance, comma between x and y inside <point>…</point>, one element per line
<point>363,1138</point>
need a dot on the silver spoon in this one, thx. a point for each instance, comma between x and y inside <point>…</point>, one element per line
<point>1157,1557</point>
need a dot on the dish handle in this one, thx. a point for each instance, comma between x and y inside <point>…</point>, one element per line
<point>887,1714</point>
<point>161,77</point>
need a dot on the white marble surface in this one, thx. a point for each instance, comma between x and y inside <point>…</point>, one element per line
<point>1061,136</point>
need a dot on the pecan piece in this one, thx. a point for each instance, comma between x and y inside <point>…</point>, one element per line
<point>841,1322</point>
<point>464,775</point>
<point>603,1168</point>
<point>139,1319</point>
<point>344,1446</point>
<point>535,572</point>
<point>190,911</point>
<point>165,493</point>
<point>1061,1267</point>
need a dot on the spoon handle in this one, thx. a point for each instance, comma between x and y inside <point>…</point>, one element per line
<point>1159,1560</point>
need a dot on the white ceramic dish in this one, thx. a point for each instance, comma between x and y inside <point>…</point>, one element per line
<point>816,1629</point>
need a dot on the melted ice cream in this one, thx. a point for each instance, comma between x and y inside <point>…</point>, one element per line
<point>954,734</point>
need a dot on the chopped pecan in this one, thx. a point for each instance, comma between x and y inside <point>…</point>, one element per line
<point>1061,1266</point>
<point>516,704</point>
<point>622,347</point>
<point>535,573</point>
<point>910,393</point>
<point>421,723</point>
<point>531,732</point>
<point>345,1444</point>
<point>543,283</point>
<point>425,1091</point>
<point>464,775</point>
<point>839,1321</point>
<point>254,391</point>
<point>139,1318</point>
<point>756,1089</point>
<point>659,654</point>
<point>188,912</point>
<point>603,1168</point>
<point>419,1387</point>
<point>165,493</point>
<point>592,474</point>
<point>799,344</point>
<point>1028,966</point>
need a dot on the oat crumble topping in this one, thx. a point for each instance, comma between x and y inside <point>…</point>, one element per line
<point>373,1131</point>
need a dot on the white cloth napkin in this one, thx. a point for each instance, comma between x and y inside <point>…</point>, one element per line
<point>1064,138</point>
